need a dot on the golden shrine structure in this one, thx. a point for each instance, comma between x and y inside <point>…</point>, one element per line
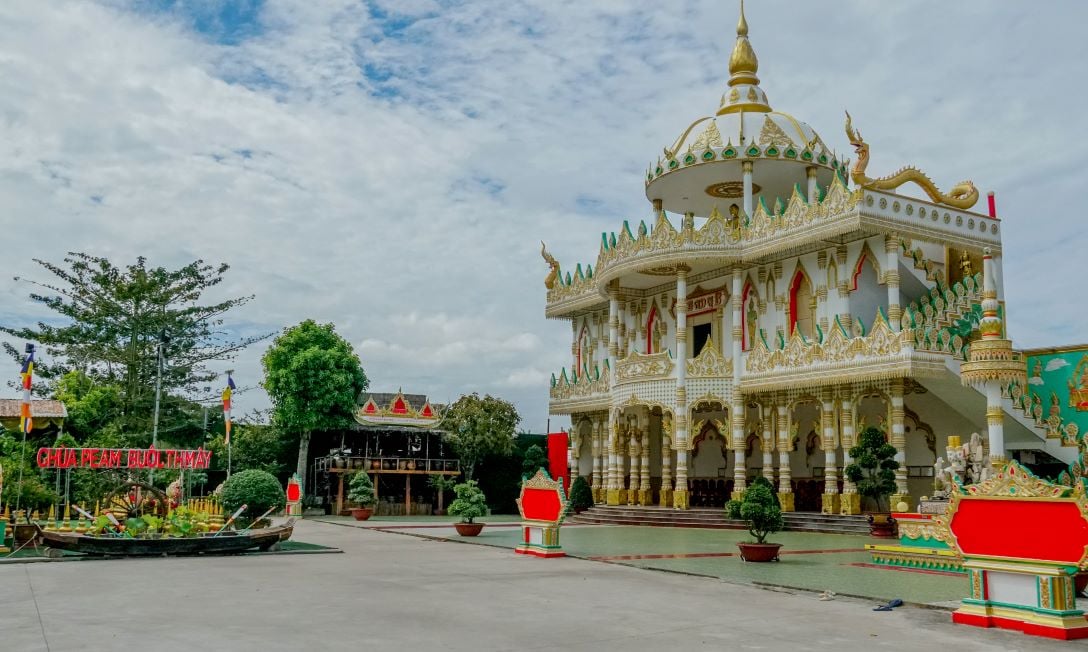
<point>776,301</point>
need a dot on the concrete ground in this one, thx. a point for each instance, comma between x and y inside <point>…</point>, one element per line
<point>389,591</point>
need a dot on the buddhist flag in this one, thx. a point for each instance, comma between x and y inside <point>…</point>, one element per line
<point>228,392</point>
<point>26,421</point>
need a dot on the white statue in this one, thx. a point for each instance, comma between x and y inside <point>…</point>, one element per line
<point>987,470</point>
<point>942,480</point>
<point>974,455</point>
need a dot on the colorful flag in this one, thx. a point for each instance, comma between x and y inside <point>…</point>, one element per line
<point>227,393</point>
<point>26,421</point>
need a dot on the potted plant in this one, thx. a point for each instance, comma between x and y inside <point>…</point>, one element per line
<point>469,505</point>
<point>581,496</point>
<point>873,471</point>
<point>441,484</point>
<point>361,492</point>
<point>761,513</point>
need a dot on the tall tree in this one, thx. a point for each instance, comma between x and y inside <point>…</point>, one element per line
<point>476,427</point>
<point>111,319</point>
<point>313,377</point>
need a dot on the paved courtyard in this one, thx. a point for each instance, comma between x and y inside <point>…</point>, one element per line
<point>388,591</point>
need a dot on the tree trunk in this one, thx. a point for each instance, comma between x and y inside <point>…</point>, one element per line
<point>303,458</point>
<point>441,497</point>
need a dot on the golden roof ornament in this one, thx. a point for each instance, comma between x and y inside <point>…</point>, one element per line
<point>549,281</point>
<point>743,65</point>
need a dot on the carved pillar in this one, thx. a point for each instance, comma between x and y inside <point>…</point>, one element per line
<point>831,504</point>
<point>845,318</point>
<point>612,495</point>
<point>891,277</point>
<point>634,454</point>
<point>645,493</point>
<point>680,496</point>
<point>899,441</point>
<point>850,499</point>
<point>598,450</point>
<point>666,460</point>
<point>766,444</point>
<point>737,413</point>
<point>813,192</point>
<point>746,166</point>
<point>785,480</point>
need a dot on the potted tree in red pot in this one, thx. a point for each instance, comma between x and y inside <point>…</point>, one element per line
<point>361,492</point>
<point>761,513</point>
<point>469,505</point>
<point>873,471</point>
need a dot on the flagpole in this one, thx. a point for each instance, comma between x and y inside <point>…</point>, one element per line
<point>26,418</point>
<point>228,397</point>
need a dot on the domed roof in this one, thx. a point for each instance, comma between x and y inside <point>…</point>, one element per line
<point>703,168</point>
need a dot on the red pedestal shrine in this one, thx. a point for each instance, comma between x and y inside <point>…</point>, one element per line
<point>542,505</point>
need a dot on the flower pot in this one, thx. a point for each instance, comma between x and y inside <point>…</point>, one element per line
<point>882,525</point>
<point>759,551</point>
<point>362,513</point>
<point>468,529</point>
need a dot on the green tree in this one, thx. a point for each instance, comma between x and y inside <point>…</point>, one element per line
<point>476,427</point>
<point>759,509</point>
<point>110,320</point>
<point>92,406</point>
<point>313,377</point>
<point>874,466</point>
<point>535,458</point>
<point>253,446</point>
<point>17,460</point>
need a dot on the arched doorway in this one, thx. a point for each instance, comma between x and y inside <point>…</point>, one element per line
<point>711,479</point>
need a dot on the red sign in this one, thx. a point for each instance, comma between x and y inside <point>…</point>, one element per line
<point>123,458</point>
<point>557,457</point>
<point>1048,529</point>
<point>294,492</point>
<point>540,505</point>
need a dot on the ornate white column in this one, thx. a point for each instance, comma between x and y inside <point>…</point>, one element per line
<point>634,454</point>
<point>831,504</point>
<point>891,277</point>
<point>645,493</point>
<point>851,499</point>
<point>992,362</point>
<point>767,443</point>
<point>746,166</point>
<point>813,197</point>
<point>596,484</point>
<point>680,495</point>
<point>785,479</point>
<point>666,460</point>
<point>737,411</point>
<point>845,318</point>
<point>899,441</point>
<point>612,495</point>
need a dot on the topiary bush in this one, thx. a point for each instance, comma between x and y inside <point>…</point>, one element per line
<point>581,497</point>
<point>361,490</point>
<point>260,490</point>
<point>471,502</point>
<point>759,510</point>
<point>874,466</point>
<point>535,458</point>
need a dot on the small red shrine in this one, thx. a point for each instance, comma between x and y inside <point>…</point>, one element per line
<point>542,505</point>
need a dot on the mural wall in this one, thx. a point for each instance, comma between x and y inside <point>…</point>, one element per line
<point>1058,382</point>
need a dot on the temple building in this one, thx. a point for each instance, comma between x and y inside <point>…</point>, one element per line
<point>775,302</point>
<point>397,441</point>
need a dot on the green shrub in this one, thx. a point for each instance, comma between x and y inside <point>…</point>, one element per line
<point>535,459</point>
<point>759,510</point>
<point>471,502</point>
<point>581,496</point>
<point>258,489</point>
<point>874,466</point>
<point>361,490</point>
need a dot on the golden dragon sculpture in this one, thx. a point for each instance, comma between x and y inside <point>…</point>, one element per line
<point>549,281</point>
<point>963,195</point>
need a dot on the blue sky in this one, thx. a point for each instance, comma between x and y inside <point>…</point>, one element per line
<point>391,166</point>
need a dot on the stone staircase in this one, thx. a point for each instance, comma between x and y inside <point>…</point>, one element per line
<point>714,518</point>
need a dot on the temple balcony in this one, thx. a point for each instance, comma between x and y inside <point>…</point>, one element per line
<point>888,212</point>
<point>880,354</point>
<point>573,294</point>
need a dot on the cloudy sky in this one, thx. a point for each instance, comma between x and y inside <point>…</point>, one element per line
<point>392,165</point>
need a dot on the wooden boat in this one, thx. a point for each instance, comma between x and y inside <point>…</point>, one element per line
<point>227,542</point>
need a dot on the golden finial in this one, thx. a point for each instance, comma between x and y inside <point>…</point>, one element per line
<point>742,25</point>
<point>743,63</point>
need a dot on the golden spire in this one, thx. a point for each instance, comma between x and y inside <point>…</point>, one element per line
<point>743,63</point>
<point>746,95</point>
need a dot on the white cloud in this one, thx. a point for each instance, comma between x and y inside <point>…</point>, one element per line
<point>1055,364</point>
<point>1035,380</point>
<point>394,170</point>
